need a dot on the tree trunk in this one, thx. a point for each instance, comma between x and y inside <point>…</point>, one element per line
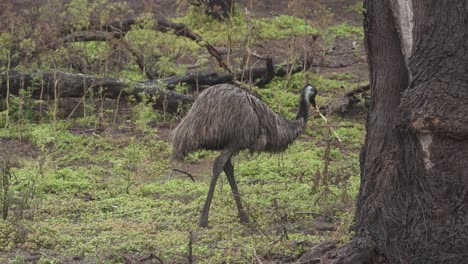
<point>219,9</point>
<point>413,198</point>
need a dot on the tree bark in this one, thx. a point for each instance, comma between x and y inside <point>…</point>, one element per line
<point>413,200</point>
<point>219,9</point>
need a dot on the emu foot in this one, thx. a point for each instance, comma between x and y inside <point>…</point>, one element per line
<point>203,222</point>
<point>244,218</point>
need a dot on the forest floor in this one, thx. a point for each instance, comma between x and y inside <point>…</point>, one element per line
<point>88,193</point>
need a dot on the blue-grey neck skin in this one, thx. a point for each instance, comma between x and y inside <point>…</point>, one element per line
<point>303,109</point>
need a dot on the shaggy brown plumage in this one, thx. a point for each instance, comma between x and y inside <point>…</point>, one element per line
<point>225,117</point>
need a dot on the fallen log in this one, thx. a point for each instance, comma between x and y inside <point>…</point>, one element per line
<point>43,86</point>
<point>59,84</point>
<point>92,35</point>
<point>259,75</point>
<point>343,104</point>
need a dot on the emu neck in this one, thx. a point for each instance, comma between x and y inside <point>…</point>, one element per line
<point>303,110</point>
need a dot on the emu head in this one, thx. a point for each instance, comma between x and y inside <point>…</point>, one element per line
<point>308,94</point>
<point>307,99</point>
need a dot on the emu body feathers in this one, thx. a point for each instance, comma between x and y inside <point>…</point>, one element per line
<point>226,116</point>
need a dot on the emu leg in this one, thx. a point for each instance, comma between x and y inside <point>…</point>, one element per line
<point>229,170</point>
<point>217,169</point>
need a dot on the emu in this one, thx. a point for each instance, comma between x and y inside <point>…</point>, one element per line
<point>229,119</point>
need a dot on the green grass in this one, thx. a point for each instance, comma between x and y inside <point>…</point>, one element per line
<point>358,8</point>
<point>283,26</point>
<point>328,84</point>
<point>347,30</point>
<point>237,28</point>
<point>233,30</point>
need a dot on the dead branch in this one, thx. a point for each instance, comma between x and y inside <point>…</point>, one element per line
<point>119,29</point>
<point>358,90</point>
<point>333,218</point>
<point>183,172</point>
<point>269,74</point>
<point>91,35</point>
<point>336,66</point>
<point>182,30</point>
<point>150,257</point>
<point>190,248</point>
<point>256,256</point>
<point>343,104</point>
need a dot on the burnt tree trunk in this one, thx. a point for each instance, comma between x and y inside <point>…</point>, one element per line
<point>413,199</point>
<point>219,9</point>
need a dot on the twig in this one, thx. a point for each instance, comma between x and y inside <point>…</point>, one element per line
<point>262,57</point>
<point>182,30</point>
<point>181,171</point>
<point>151,256</point>
<point>332,66</point>
<point>328,124</point>
<point>316,215</point>
<point>190,248</point>
<point>194,66</point>
<point>256,256</point>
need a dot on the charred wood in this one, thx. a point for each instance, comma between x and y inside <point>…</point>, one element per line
<point>343,104</point>
<point>260,75</point>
